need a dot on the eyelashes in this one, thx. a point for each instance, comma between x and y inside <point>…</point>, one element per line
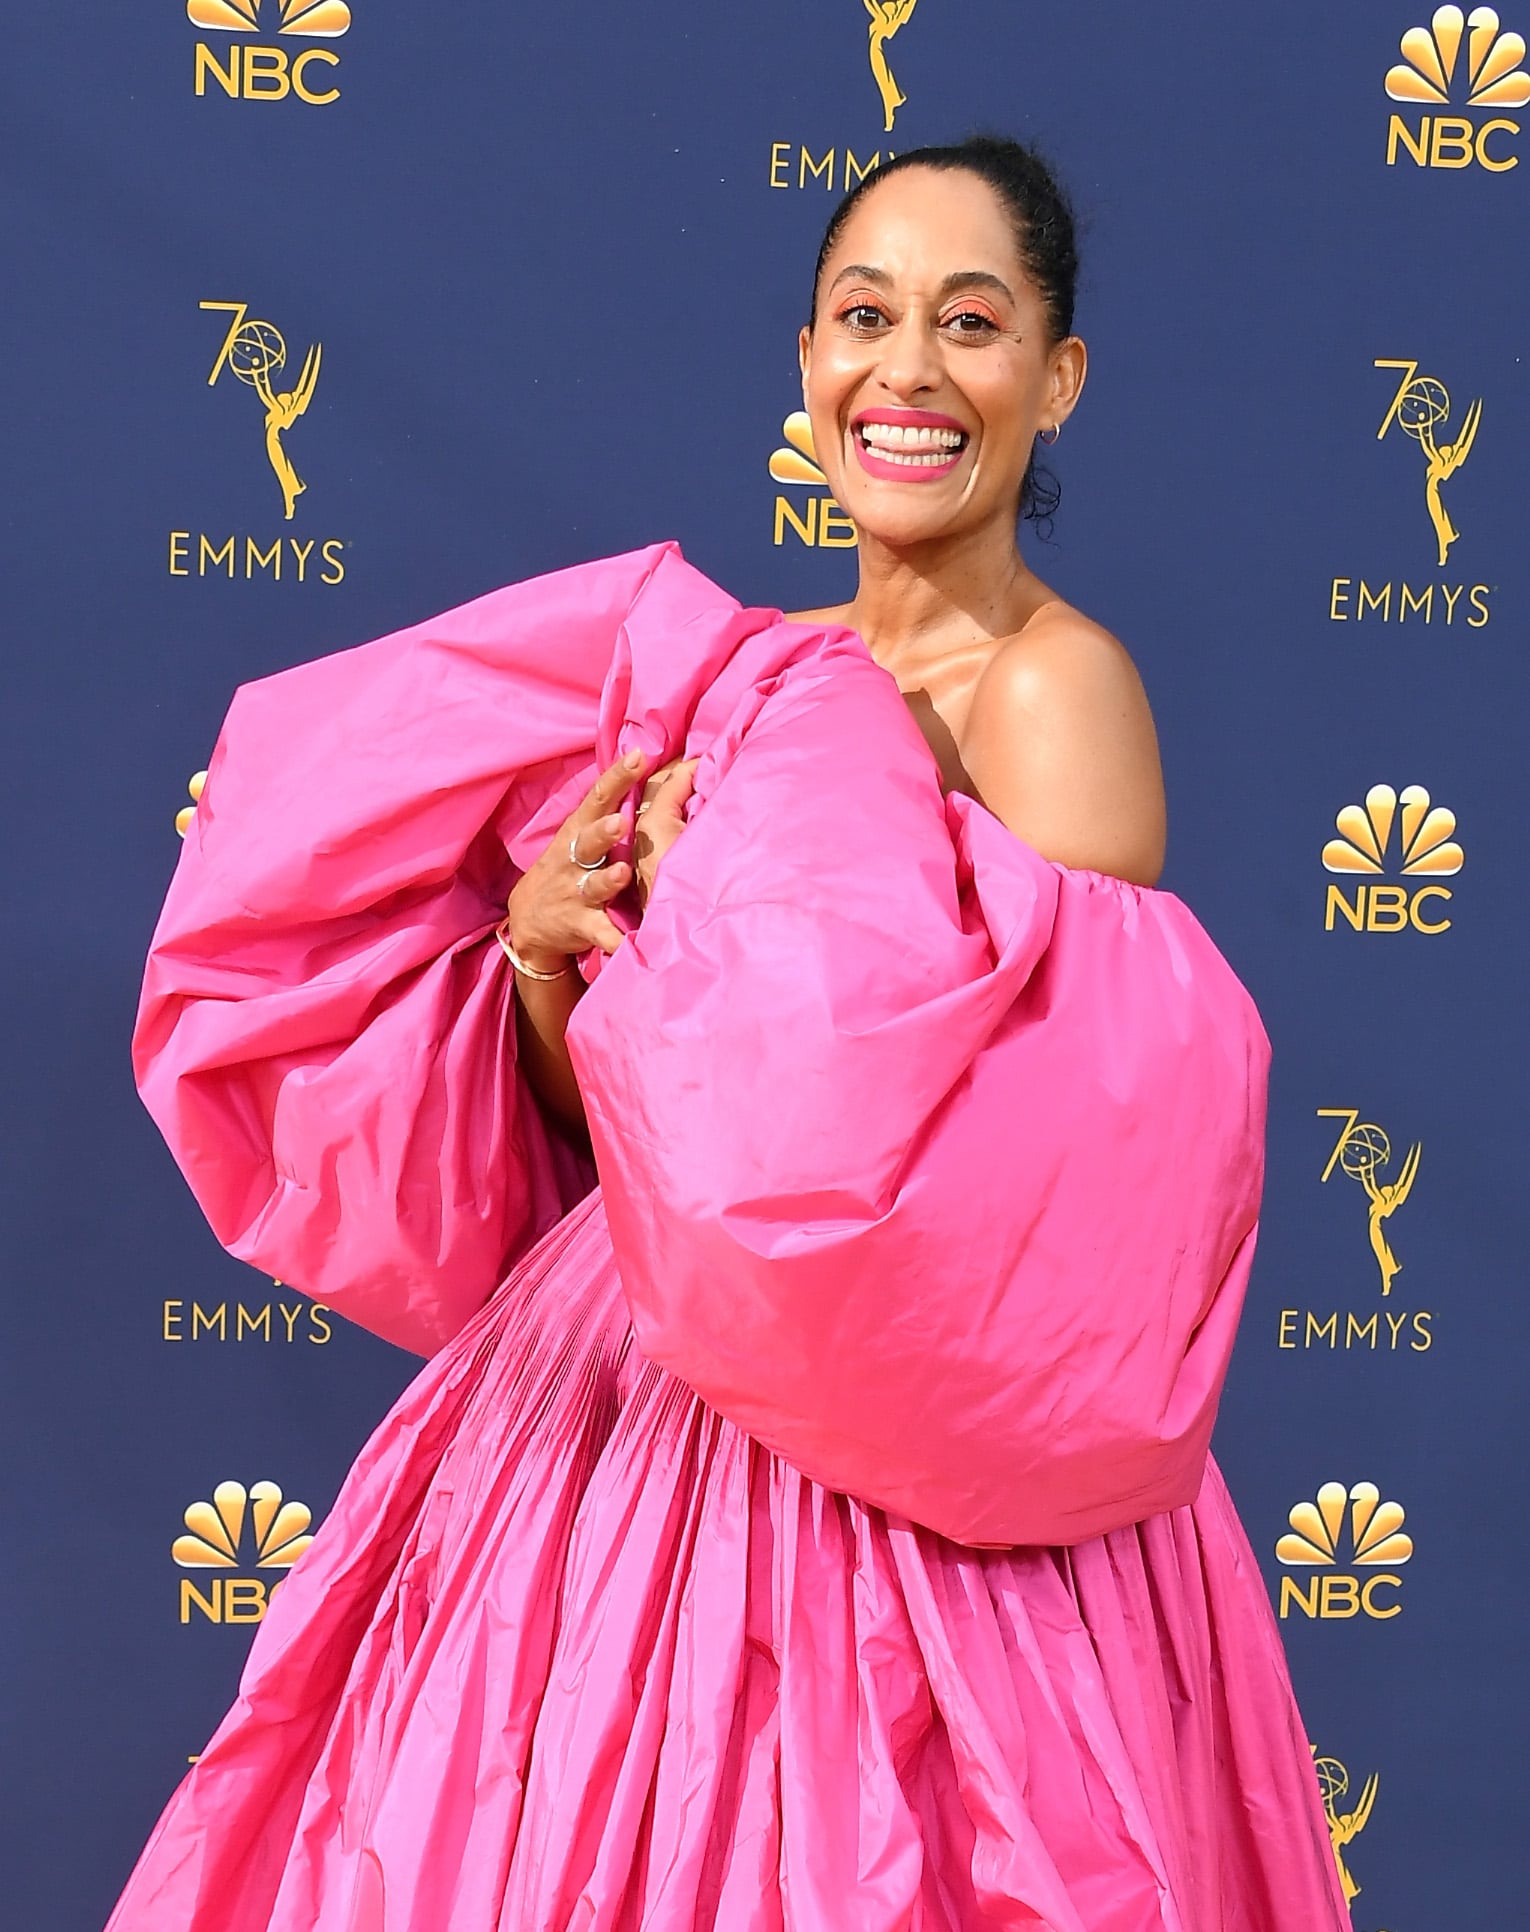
<point>988,329</point>
<point>864,320</point>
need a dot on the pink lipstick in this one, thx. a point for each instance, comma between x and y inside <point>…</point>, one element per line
<point>908,445</point>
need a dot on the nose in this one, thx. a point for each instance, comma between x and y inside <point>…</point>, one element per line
<point>909,364</point>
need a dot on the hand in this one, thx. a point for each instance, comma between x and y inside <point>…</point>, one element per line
<point>556,908</point>
<point>660,818</point>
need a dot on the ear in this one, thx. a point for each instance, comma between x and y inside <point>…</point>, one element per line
<point>804,347</point>
<point>1069,367</point>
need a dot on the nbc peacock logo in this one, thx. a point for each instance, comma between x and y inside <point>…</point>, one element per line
<point>247,70</point>
<point>1458,60</point>
<point>1352,1527</point>
<point>1425,848</point>
<point>238,1529</point>
<point>821,524</point>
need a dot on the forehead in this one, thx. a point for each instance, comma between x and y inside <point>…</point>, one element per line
<point>923,224</point>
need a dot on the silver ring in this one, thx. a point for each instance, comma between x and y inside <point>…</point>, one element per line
<point>573,852</point>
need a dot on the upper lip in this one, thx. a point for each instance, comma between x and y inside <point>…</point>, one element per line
<point>909,419</point>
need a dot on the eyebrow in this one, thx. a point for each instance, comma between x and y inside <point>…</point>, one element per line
<point>962,278</point>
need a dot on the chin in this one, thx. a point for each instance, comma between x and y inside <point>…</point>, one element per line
<point>900,526</point>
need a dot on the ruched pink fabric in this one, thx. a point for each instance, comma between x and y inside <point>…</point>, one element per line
<point>928,1173</point>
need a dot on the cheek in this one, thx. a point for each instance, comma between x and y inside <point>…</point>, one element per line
<point>835,370</point>
<point>1013,388</point>
<point>1006,405</point>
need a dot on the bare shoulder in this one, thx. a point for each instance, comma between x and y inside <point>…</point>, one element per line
<point>1060,742</point>
<point>1062,661</point>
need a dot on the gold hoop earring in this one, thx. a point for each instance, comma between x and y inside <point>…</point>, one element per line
<point>1050,434</point>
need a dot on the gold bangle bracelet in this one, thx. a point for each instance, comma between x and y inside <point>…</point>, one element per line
<point>502,934</point>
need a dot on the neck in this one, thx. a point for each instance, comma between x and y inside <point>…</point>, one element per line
<point>915,603</point>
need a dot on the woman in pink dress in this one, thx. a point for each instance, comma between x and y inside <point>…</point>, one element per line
<point>813,1529</point>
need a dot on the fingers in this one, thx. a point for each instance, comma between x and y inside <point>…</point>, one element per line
<point>599,888</point>
<point>668,798</point>
<point>662,781</point>
<point>605,933</point>
<point>594,826</point>
<point>678,786</point>
<point>613,784</point>
<point>656,778</point>
<point>591,842</point>
<point>661,823</point>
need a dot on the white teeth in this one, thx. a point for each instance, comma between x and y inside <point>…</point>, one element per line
<point>889,439</point>
<point>915,459</point>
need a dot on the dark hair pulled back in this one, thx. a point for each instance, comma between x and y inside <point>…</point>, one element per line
<point>1043,224</point>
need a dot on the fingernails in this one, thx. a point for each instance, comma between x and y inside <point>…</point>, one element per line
<point>632,760</point>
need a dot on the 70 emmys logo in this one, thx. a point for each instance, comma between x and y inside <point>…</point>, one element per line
<point>255,351</point>
<point>1420,409</point>
<point>250,71</point>
<point>1376,1540</point>
<point>1362,1153</point>
<point>1426,848</point>
<point>215,1540</point>
<point>1433,74</point>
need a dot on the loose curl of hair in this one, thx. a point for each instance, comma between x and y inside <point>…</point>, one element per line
<point>1043,224</point>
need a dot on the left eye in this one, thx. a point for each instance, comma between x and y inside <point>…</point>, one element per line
<point>970,322</point>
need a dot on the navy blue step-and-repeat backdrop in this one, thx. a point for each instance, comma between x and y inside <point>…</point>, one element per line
<point>322,317</point>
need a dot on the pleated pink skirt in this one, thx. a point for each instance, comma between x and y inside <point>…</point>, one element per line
<point>572,1653</point>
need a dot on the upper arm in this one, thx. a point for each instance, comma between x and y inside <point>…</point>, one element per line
<point>1060,744</point>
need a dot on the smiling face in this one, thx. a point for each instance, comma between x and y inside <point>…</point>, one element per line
<point>930,366</point>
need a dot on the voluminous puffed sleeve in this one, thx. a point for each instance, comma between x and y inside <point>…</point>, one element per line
<point>326,1034</point>
<point>931,1164</point>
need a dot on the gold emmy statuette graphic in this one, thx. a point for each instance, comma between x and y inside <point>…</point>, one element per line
<point>1343,1826</point>
<point>797,460</point>
<point>255,351</point>
<point>887,16</point>
<point>1362,1150</point>
<point>1427,73</point>
<point>216,1529</point>
<point>315,19</point>
<point>1420,407</point>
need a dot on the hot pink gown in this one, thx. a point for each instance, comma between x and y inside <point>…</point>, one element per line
<point>813,1531</point>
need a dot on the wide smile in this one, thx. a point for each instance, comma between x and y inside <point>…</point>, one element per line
<point>908,445</point>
